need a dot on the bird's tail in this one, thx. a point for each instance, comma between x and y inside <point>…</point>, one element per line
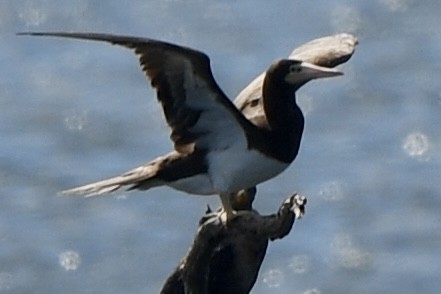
<point>134,177</point>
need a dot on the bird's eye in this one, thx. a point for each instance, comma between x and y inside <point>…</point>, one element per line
<point>295,68</point>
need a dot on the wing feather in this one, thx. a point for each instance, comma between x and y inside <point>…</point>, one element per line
<point>197,111</point>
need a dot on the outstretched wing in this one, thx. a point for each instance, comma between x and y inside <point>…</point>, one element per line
<point>197,111</point>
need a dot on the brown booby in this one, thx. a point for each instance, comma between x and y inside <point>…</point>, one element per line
<point>216,149</point>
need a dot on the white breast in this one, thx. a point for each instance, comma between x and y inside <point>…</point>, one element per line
<point>238,168</point>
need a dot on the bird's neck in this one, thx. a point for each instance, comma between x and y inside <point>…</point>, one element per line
<point>284,118</point>
<point>281,110</point>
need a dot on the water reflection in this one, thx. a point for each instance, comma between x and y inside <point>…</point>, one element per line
<point>312,291</point>
<point>397,5</point>
<point>416,144</point>
<point>300,264</point>
<point>347,254</point>
<point>332,191</point>
<point>69,260</point>
<point>75,120</point>
<point>273,278</point>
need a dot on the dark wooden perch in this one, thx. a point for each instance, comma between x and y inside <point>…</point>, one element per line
<point>227,259</point>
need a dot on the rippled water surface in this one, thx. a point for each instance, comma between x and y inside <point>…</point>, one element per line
<point>73,112</point>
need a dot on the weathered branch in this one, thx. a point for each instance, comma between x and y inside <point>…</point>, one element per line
<point>227,258</point>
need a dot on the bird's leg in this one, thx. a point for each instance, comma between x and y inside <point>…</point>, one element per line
<point>227,208</point>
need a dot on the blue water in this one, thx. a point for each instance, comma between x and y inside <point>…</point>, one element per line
<point>72,112</point>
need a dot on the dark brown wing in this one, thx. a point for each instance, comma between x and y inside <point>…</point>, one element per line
<point>197,111</point>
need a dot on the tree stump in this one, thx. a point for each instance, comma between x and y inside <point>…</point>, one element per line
<point>227,258</point>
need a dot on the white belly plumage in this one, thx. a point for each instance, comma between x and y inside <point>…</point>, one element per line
<point>230,172</point>
<point>233,171</point>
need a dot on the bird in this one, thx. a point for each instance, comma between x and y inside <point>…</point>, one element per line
<point>217,150</point>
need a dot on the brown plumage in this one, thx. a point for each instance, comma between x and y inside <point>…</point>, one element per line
<point>217,150</point>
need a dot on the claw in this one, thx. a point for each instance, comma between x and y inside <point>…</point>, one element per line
<point>227,215</point>
<point>228,212</point>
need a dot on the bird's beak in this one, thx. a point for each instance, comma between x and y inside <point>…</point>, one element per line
<point>312,71</point>
<point>309,72</point>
